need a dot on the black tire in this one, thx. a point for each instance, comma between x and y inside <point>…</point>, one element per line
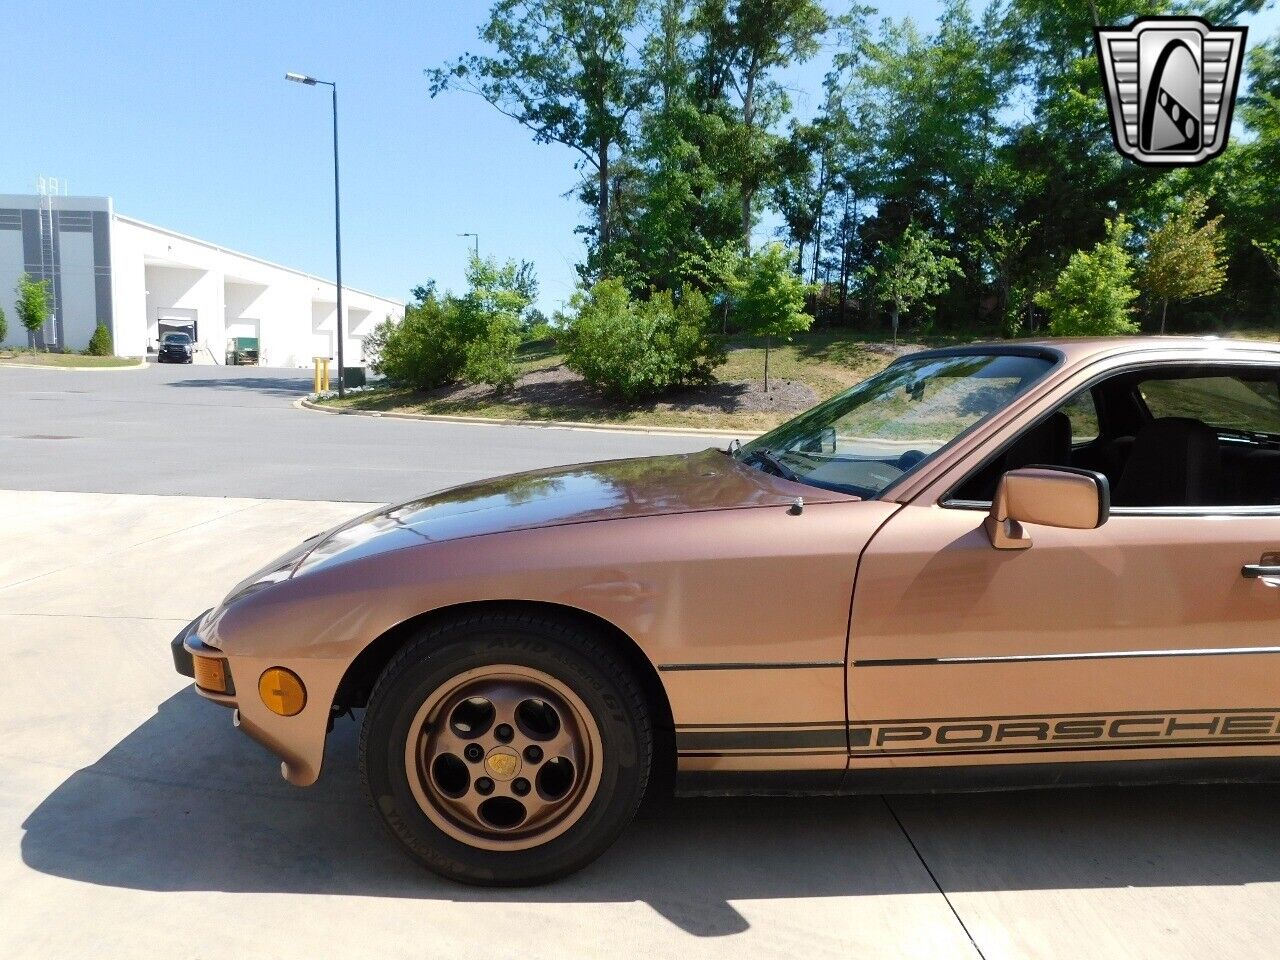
<point>573,656</point>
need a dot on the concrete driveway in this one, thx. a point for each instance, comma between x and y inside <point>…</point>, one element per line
<point>233,432</point>
<point>135,822</point>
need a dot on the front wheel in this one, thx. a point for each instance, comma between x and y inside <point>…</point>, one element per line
<point>506,749</point>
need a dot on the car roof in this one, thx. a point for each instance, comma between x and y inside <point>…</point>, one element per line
<point>1075,349</point>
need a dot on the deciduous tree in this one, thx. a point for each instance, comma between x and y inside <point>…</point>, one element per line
<point>1094,294</point>
<point>768,298</point>
<point>32,305</point>
<point>912,271</point>
<point>566,70</point>
<point>1185,256</point>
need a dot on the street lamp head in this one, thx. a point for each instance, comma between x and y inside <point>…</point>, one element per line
<point>301,78</point>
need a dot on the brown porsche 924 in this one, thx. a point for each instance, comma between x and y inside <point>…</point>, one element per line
<point>1020,564</point>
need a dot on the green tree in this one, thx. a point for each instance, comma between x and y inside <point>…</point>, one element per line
<point>1270,250</point>
<point>4,325</point>
<point>491,319</point>
<point>1185,256</point>
<point>32,305</point>
<point>1094,294</point>
<point>564,69</point>
<point>768,298</point>
<point>100,342</point>
<point>750,40</point>
<point>913,270</point>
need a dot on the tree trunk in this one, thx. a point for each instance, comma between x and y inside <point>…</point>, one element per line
<point>602,202</point>
<point>846,230</point>
<point>894,321</point>
<point>817,234</point>
<point>767,338</point>
<point>1164,312</point>
<point>748,184</point>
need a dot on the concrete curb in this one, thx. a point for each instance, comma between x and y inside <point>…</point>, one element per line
<point>305,404</point>
<point>140,365</point>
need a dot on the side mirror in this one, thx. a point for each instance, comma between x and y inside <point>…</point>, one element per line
<point>1050,496</point>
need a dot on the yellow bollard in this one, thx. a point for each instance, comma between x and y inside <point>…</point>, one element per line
<point>322,374</point>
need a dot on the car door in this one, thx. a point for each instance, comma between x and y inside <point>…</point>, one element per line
<point>1151,637</point>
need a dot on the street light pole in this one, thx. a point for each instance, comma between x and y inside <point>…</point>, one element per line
<point>477,239</point>
<point>337,217</point>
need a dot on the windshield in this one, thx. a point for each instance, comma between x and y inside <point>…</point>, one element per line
<point>176,338</point>
<point>864,439</point>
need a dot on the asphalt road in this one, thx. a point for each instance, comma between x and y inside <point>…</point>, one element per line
<point>136,822</point>
<point>233,432</point>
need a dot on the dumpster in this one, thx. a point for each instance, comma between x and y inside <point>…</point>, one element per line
<point>242,351</point>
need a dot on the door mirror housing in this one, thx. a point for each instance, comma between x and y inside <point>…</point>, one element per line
<point>1050,496</point>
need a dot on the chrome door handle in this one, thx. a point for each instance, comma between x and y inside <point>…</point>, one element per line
<point>1257,571</point>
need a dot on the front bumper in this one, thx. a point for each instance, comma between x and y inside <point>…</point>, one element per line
<point>203,664</point>
<point>297,740</point>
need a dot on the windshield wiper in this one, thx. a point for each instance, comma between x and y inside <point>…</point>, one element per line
<point>770,459</point>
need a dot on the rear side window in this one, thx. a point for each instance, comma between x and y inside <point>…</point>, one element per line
<point>1230,403</point>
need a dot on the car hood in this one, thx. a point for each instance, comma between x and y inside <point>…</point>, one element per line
<point>609,490</point>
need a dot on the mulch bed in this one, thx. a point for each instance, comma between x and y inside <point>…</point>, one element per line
<point>559,386</point>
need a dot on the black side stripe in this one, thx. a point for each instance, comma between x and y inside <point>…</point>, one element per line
<point>770,753</point>
<point>1054,657</point>
<point>761,739</point>
<point>1062,748</point>
<point>754,665</point>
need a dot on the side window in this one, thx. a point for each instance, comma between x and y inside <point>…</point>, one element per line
<point>1229,403</point>
<point>1214,441</point>
<point>1082,413</point>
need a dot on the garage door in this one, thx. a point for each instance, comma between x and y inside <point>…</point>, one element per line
<point>243,328</point>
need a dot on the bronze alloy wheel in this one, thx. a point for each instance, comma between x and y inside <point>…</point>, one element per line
<point>503,757</point>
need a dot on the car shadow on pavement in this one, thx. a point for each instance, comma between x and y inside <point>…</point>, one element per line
<point>271,386</point>
<point>186,803</point>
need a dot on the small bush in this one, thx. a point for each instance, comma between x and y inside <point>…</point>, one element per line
<point>424,350</point>
<point>633,349</point>
<point>491,353</point>
<point>99,343</point>
<point>443,339</point>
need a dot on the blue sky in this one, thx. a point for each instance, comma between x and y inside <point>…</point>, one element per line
<point>180,112</point>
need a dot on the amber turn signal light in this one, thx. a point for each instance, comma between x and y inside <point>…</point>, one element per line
<point>211,674</point>
<point>282,691</point>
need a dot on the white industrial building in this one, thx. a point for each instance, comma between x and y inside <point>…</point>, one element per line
<point>143,281</point>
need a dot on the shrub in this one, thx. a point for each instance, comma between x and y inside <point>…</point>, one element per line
<point>492,319</point>
<point>4,325</point>
<point>99,343</point>
<point>425,349</point>
<point>491,352</point>
<point>633,349</point>
<point>443,338</point>
<point>1093,295</point>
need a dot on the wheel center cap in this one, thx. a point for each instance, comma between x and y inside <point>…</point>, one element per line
<point>502,763</point>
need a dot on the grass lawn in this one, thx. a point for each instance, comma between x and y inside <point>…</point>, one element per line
<point>810,368</point>
<point>36,358</point>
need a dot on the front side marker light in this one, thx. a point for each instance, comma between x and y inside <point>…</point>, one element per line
<point>282,691</point>
<point>211,674</point>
